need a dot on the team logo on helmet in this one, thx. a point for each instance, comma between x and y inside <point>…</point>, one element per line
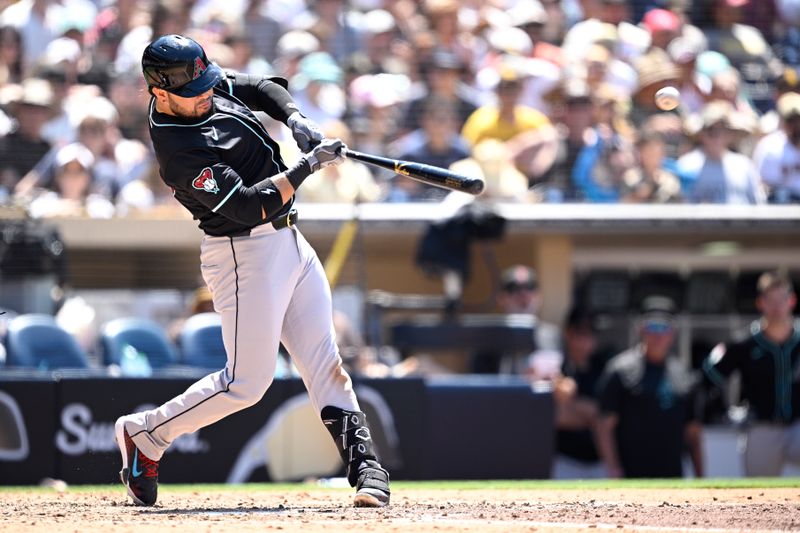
<point>199,68</point>
<point>206,182</point>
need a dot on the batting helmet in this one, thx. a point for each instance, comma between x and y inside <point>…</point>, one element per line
<point>179,65</point>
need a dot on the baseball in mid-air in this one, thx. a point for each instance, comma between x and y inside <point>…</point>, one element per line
<point>668,98</point>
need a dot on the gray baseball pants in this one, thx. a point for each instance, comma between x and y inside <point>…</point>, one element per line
<point>268,287</point>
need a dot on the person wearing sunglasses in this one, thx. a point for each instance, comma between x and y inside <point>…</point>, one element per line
<point>646,398</point>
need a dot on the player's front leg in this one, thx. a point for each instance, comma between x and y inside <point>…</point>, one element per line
<point>350,431</point>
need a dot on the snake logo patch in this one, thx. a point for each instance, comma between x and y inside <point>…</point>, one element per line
<point>206,182</point>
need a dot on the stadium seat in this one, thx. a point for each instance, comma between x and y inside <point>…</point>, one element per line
<point>144,335</point>
<point>37,341</point>
<point>201,341</point>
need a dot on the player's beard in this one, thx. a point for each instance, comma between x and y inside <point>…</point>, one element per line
<point>202,108</point>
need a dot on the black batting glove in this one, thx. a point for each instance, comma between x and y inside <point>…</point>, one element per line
<point>306,132</point>
<point>328,152</point>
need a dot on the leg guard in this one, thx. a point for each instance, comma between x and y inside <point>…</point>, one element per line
<point>350,431</point>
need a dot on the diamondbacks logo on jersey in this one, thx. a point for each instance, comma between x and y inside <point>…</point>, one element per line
<point>206,182</point>
<point>199,68</point>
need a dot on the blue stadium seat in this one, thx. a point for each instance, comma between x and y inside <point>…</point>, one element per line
<point>144,335</point>
<point>37,341</point>
<point>201,341</point>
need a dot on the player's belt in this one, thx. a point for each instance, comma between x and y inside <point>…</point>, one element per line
<point>283,221</point>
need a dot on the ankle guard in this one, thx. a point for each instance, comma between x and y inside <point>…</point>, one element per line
<point>351,434</point>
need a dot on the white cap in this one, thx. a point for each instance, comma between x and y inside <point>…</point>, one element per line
<point>74,152</point>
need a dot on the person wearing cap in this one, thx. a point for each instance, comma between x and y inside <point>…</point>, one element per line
<point>745,47</point>
<point>647,403</point>
<point>767,362</point>
<point>520,294</point>
<point>718,175</point>
<point>694,86</point>
<point>575,394</point>
<point>507,117</point>
<point>441,72</point>
<point>650,181</point>
<point>777,155</point>
<point>317,88</point>
<point>71,193</point>
<point>25,146</point>
<point>265,279</point>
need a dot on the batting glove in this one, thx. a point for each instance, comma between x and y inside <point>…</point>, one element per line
<point>328,152</point>
<point>306,133</point>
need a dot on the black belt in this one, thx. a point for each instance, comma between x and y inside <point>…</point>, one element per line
<point>283,221</point>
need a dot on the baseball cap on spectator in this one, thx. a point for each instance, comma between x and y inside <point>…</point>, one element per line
<point>318,67</point>
<point>711,63</point>
<point>788,105</point>
<point>717,112</point>
<point>656,67</point>
<point>735,3</point>
<point>75,152</point>
<point>661,20</point>
<point>519,277</point>
<point>509,40</point>
<point>297,43</point>
<point>528,12</point>
<point>35,92</point>
<point>682,50</point>
<point>378,21</point>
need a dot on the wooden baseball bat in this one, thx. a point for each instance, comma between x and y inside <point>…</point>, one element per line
<point>425,173</point>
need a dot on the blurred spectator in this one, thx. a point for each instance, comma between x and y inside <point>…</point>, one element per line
<point>262,28</point>
<point>532,17</point>
<point>443,18</point>
<point>244,58</point>
<point>655,70</point>
<point>646,402</point>
<point>507,117</point>
<point>726,86</point>
<point>787,43</point>
<point>746,49</point>
<point>21,149</point>
<point>572,115</point>
<point>491,161</point>
<point>766,361</point>
<point>442,75</point>
<point>71,194</point>
<point>575,394</point>
<point>663,26</point>
<point>519,294</point>
<point>718,174</point>
<point>377,100</point>
<point>693,85</point>
<point>649,181</point>
<point>331,22</point>
<point>438,144</point>
<point>607,152</point>
<point>788,82</point>
<point>349,182</point>
<point>317,87</point>
<point>36,21</point>
<point>165,17</point>
<point>777,155</point>
<point>292,47</point>
<point>10,55</point>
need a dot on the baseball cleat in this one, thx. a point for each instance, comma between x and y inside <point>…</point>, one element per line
<point>372,488</point>
<point>139,473</point>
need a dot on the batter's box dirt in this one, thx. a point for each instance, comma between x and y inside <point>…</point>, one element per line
<point>412,510</point>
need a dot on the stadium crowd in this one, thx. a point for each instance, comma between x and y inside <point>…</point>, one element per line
<point>547,100</point>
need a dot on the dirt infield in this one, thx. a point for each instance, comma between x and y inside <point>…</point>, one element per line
<point>412,510</point>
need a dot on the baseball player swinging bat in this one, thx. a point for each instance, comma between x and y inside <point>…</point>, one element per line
<point>425,173</point>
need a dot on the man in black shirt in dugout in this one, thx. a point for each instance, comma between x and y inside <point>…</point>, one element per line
<point>647,407</point>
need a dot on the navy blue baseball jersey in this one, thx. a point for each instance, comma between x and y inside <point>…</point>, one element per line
<point>208,161</point>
